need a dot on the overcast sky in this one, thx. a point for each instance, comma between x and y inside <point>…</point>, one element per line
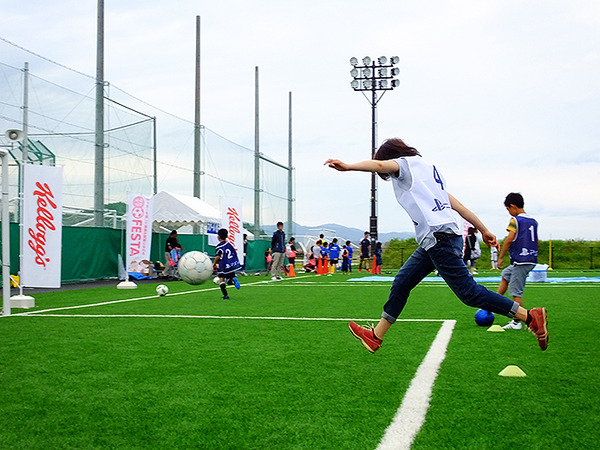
<point>501,95</point>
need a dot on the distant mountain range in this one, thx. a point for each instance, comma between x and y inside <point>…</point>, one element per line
<point>331,230</point>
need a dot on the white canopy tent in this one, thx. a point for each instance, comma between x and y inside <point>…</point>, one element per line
<point>183,213</point>
<point>175,211</point>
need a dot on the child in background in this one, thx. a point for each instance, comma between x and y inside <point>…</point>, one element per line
<point>494,257</point>
<point>324,252</point>
<point>345,260</point>
<point>226,263</point>
<point>350,251</point>
<point>268,260</point>
<point>522,246</point>
<point>334,254</point>
<point>174,257</point>
<point>317,253</point>
<point>378,254</point>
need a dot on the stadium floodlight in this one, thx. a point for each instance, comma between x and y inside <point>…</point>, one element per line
<point>374,76</point>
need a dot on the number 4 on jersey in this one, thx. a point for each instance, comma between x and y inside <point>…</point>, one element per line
<point>438,178</point>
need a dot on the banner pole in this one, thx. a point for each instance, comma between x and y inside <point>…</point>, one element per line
<point>5,237</point>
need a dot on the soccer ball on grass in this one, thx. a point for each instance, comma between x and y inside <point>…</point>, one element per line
<point>162,290</point>
<point>484,318</point>
<point>195,267</point>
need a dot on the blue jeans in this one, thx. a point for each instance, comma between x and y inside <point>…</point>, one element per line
<point>446,257</point>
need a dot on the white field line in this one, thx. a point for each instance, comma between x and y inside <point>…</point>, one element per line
<point>111,302</point>
<point>411,415</point>
<point>187,316</point>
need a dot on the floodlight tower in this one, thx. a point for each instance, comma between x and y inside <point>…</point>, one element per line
<point>374,76</point>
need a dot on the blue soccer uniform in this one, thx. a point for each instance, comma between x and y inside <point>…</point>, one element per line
<point>227,265</point>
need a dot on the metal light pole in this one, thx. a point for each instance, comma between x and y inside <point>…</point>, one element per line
<point>374,75</point>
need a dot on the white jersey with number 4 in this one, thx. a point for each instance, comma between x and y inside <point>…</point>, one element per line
<point>421,191</point>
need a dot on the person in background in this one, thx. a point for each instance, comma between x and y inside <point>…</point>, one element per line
<point>226,263</point>
<point>290,251</point>
<point>268,260</point>
<point>245,255</point>
<point>324,252</point>
<point>522,245</point>
<point>494,257</point>
<point>317,253</point>
<point>378,258</point>
<point>174,257</point>
<point>172,241</point>
<point>365,247</point>
<point>334,253</point>
<point>472,250</point>
<point>278,252</point>
<point>350,251</point>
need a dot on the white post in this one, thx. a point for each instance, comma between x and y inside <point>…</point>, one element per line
<point>5,237</point>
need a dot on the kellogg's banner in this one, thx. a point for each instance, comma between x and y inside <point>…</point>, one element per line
<point>42,226</point>
<point>139,234</point>
<point>231,213</point>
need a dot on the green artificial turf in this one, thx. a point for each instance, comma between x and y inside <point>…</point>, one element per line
<point>185,382</point>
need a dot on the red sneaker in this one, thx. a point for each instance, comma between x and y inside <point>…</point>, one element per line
<point>539,326</point>
<point>366,336</point>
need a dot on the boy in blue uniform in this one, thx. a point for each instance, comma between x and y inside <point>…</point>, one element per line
<point>324,252</point>
<point>226,263</point>
<point>347,258</point>
<point>334,253</point>
<point>522,241</point>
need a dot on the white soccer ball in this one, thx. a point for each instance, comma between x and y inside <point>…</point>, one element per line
<point>195,267</point>
<point>162,290</point>
<point>217,280</point>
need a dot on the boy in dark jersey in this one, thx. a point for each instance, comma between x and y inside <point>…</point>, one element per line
<point>522,245</point>
<point>334,253</point>
<point>226,263</point>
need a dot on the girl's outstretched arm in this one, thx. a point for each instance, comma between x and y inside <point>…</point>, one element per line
<point>369,165</point>
<point>469,216</point>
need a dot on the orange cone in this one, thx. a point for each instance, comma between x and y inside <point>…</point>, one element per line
<point>326,267</point>
<point>374,264</point>
<point>320,267</point>
<point>291,272</point>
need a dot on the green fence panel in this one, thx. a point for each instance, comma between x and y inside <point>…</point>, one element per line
<point>189,242</point>
<point>89,253</point>
<point>255,257</point>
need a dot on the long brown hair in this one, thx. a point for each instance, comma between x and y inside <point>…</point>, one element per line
<point>392,149</point>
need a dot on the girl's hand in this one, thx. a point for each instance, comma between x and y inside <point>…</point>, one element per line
<point>337,164</point>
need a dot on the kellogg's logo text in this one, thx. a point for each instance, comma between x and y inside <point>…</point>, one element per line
<point>44,221</point>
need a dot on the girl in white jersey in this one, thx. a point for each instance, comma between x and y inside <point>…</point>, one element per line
<point>421,190</point>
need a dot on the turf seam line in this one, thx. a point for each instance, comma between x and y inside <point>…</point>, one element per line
<point>410,417</point>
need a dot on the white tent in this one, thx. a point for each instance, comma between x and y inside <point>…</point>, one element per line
<point>174,211</point>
